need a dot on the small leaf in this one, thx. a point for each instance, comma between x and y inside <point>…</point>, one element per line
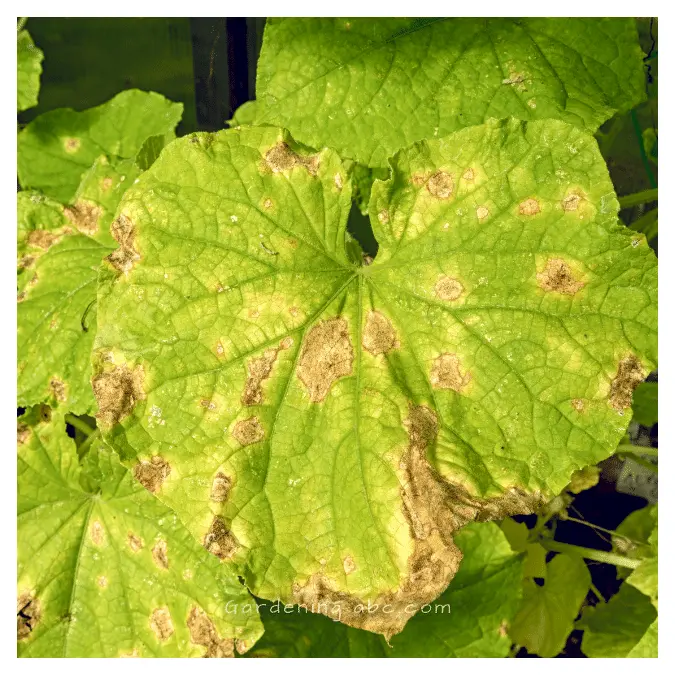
<point>244,114</point>
<point>150,151</point>
<point>28,71</point>
<point>57,147</point>
<point>548,612</point>
<point>106,570</point>
<point>368,87</point>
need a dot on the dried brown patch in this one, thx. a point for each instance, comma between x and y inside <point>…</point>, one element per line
<point>327,355</point>
<point>441,185</point>
<point>58,389</point>
<point>383,216</point>
<point>469,174</point>
<point>379,335</point>
<point>28,615</point>
<point>203,632</point>
<point>348,564</point>
<point>71,145</point>
<point>220,489</point>
<point>160,554</point>
<point>248,431</point>
<point>207,403</point>
<point>571,202</point>
<point>482,213</point>
<point>516,80</point>
<point>117,392</point>
<point>84,215</point>
<point>134,542</point>
<point>446,373</point>
<point>242,646</point>
<point>26,261</point>
<point>161,624</point>
<point>219,540</point>
<point>125,257</point>
<point>447,288</point>
<point>259,369</point>
<point>578,404</point>
<point>97,533</point>
<point>23,433</point>
<point>338,181</point>
<point>151,475</point>
<point>530,207</point>
<point>628,376</point>
<point>557,277</point>
<point>281,158</point>
<point>21,296</point>
<point>42,239</point>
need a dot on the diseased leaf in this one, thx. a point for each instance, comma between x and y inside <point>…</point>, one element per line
<point>330,426</point>
<point>57,147</point>
<point>28,71</point>
<point>106,570</point>
<point>646,404</point>
<point>368,87</point>
<point>548,612</point>
<point>40,223</point>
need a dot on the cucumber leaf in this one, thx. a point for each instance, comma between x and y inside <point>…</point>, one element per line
<point>28,70</point>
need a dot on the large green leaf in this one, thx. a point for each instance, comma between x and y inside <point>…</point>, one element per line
<point>367,87</point>
<point>329,426</point>
<point>105,569</point>
<point>28,71</point>
<point>57,147</point>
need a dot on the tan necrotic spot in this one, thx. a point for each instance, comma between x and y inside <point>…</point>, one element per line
<point>203,633</point>
<point>248,431</point>
<point>281,158</point>
<point>42,239</point>
<point>469,174</point>
<point>441,185</point>
<point>96,533</point>
<point>26,261</point>
<point>571,202</point>
<point>482,213</point>
<point>578,404</point>
<point>106,183</point>
<point>117,392</point>
<point>84,215</point>
<point>338,181</point>
<point>383,216</point>
<point>102,581</point>
<point>259,370</point>
<point>58,389</point>
<point>268,203</point>
<point>125,257</point>
<point>219,540</point>
<point>628,376</point>
<point>152,474</point>
<point>220,489</point>
<point>294,311</point>
<point>557,277</point>
<point>447,374</point>
<point>348,564</point>
<point>23,433</point>
<point>379,335</point>
<point>134,542</point>
<point>161,623</point>
<point>327,355</point>
<point>448,289</point>
<point>71,145</point>
<point>28,615</point>
<point>530,207</point>
<point>160,554</point>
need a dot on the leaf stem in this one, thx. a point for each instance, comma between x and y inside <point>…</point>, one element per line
<point>590,553</point>
<point>79,424</point>
<point>82,450</point>
<point>642,197</point>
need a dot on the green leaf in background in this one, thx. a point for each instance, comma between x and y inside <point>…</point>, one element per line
<point>244,114</point>
<point>547,614</point>
<point>646,404</point>
<point>28,71</point>
<point>368,87</point>
<point>106,570</point>
<point>58,147</point>
<point>56,325</point>
<point>330,426</point>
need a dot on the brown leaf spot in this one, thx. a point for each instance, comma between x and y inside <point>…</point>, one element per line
<point>447,288</point>
<point>42,239</point>
<point>106,183</point>
<point>248,431</point>
<point>124,257</point>
<point>203,632</point>
<point>482,213</point>
<point>578,404</point>
<point>117,391</point>
<point>161,624</point>
<point>529,207</point>
<point>26,261</point>
<point>21,296</point>
<point>348,564</point>
<point>160,554</point>
<point>58,389</point>
<point>441,185</point>
<point>571,202</point>
<point>96,533</point>
<point>268,203</point>
<point>71,145</point>
<point>219,540</point>
<point>338,181</point>
<point>383,216</point>
<point>557,277</point>
<point>207,403</point>
<point>152,474</point>
<point>629,375</point>
<point>28,615</point>
<point>379,336</point>
<point>293,311</point>
<point>220,489</point>
<point>446,373</point>
<point>84,215</point>
<point>134,542</point>
<point>469,174</point>
<point>259,370</point>
<point>102,581</point>
<point>23,433</point>
<point>281,158</point>
<point>327,355</point>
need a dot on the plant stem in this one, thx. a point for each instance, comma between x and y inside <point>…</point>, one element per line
<point>639,460</point>
<point>595,527</point>
<point>79,424</point>
<point>642,197</point>
<point>82,450</point>
<point>590,553</point>
<point>624,448</point>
